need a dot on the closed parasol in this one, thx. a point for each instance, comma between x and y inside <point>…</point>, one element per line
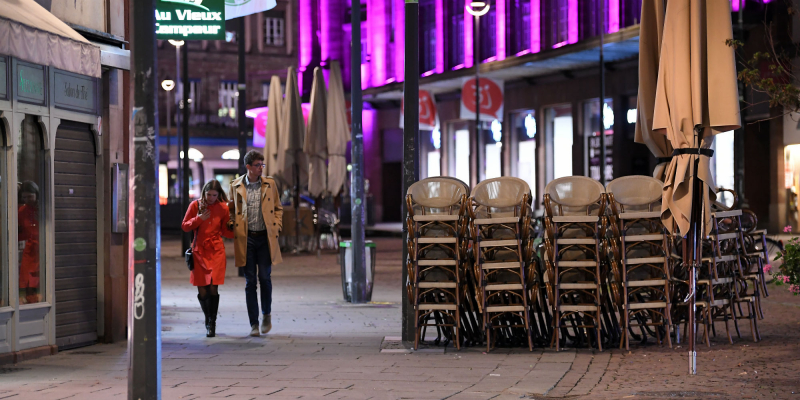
<point>274,115</point>
<point>338,131</point>
<point>292,168</point>
<point>316,141</point>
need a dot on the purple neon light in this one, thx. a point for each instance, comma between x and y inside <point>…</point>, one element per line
<point>429,73</point>
<point>536,31</point>
<point>501,30</point>
<point>468,40</point>
<point>572,21</point>
<point>613,16</point>
<point>376,34</point>
<point>305,34</point>
<point>439,36</point>
<point>324,27</point>
<point>560,44</point>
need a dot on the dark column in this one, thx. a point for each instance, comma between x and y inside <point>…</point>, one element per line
<point>144,342</point>
<point>357,177</point>
<point>410,144</point>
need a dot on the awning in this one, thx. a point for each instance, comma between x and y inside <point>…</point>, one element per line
<point>31,33</point>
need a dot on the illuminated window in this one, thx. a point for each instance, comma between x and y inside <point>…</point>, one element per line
<point>523,149</point>
<point>462,141</point>
<point>559,141</point>
<point>593,122</point>
<point>722,165</point>
<point>228,99</point>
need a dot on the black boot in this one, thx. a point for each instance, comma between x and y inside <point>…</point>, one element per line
<point>213,306</point>
<point>204,305</point>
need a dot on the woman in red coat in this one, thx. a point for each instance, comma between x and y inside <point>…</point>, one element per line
<point>208,218</point>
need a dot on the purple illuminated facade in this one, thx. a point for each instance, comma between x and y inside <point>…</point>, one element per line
<point>512,28</point>
<point>543,54</point>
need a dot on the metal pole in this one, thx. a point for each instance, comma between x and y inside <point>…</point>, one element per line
<point>144,276</point>
<point>357,177</point>
<point>601,17</point>
<point>169,125</point>
<point>410,144</point>
<point>178,129</point>
<point>477,62</point>
<point>186,240</point>
<point>242,104</point>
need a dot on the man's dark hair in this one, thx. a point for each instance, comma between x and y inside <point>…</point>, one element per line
<point>252,156</point>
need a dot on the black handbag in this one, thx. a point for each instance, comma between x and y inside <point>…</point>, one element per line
<point>189,255</point>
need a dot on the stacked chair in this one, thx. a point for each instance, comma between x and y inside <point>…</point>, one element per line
<point>598,268</point>
<point>574,207</point>
<point>756,254</point>
<point>640,257</point>
<point>500,228</point>
<point>437,225</point>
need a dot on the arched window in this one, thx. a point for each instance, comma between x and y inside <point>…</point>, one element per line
<point>31,186</point>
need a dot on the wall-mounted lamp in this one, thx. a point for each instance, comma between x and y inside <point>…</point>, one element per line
<point>478,8</point>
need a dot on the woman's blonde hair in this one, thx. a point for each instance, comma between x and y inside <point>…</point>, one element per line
<point>216,186</point>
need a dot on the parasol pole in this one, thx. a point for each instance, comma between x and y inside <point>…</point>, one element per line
<point>693,245</point>
<point>296,167</point>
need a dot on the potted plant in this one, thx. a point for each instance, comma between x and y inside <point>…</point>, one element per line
<point>789,271</point>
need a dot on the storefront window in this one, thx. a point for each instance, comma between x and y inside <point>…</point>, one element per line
<point>492,142</point>
<point>559,141</point>
<point>722,165</point>
<point>430,153</point>
<point>523,148</point>
<point>459,164</point>
<point>792,181</point>
<point>593,121</point>
<point>30,216</point>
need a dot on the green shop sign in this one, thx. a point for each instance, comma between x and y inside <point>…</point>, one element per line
<point>190,19</point>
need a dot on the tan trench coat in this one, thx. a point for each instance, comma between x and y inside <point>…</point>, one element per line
<point>273,217</point>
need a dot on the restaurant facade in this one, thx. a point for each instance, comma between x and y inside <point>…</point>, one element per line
<point>63,168</point>
<point>541,60</point>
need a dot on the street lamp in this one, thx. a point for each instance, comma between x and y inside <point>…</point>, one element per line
<point>477,9</point>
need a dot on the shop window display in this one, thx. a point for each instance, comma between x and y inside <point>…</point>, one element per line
<point>31,166</point>
<point>722,165</point>
<point>559,141</point>
<point>523,148</point>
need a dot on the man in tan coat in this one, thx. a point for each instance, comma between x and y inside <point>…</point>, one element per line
<point>256,219</point>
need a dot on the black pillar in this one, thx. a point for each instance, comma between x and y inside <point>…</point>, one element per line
<point>144,296</point>
<point>357,177</point>
<point>410,144</point>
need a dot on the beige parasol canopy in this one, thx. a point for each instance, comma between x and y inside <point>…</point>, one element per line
<point>696,94</point>
<point>292,131</point>
<point>274,114</point>
<point>650,32</point>
<point>316,142</point>
<point>338,131</point>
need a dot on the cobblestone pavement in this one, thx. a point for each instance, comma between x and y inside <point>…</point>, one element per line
<point>322,347</point>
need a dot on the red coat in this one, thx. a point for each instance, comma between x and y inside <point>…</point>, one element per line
<point>28,232</point>
<point>208,249</point>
